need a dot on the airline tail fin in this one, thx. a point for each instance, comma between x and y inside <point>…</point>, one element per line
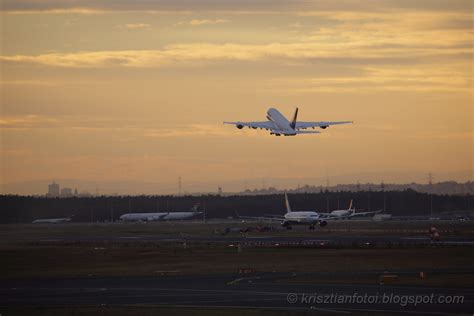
<point>287,204</point>
<point>196,208</point>
<point>350,205</point>
<point>293,122</point>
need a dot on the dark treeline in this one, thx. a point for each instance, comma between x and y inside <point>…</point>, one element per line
<point>23,209</point>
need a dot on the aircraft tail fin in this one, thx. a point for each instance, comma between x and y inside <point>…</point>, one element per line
<point>287,204</point>
<point>350,205</point>
<point>196,208</point>
<point>293,122</point>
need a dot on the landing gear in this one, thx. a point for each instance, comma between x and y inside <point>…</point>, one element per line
<point>286,225</point>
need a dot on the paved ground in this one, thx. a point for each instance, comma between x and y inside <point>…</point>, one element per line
<point>234,291</point>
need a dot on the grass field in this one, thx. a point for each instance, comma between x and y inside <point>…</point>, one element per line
<point>38,261</point>
<point>23,256</point>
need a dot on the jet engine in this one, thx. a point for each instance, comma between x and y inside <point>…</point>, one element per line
<point>239,126</point>
<point>322,223</point>
<point>324,126</point>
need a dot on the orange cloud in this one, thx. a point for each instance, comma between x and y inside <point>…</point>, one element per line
<point>182,53</point>
<point>137,26</point>
<point>197,22</point>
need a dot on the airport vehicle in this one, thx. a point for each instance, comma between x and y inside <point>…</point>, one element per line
<point>161,216</point>
<point>348,213</point>
<point>278,125</point>
<point>310,218</point>
<point>52,220</point>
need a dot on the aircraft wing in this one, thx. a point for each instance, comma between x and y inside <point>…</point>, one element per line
<point>262,218</point>
<point>268,125</point>
<point>365,213</point>
<point>307,132</point>
<point>304,125</point>
<point>273,215</point>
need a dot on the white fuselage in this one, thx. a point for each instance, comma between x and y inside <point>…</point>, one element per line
<point>282,125</point>
<point>158,216</point>
<point>342,213</point>
<point>180,215</point>
<point>51,221</point>
<point>305,218</point>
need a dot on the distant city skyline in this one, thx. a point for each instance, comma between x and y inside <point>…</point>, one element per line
<point>91,188</point>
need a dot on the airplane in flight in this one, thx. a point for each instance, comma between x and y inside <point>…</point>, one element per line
<point>52,220</point>
<point>348,213</point>
<point>278,125</point>
<point>310,218</point>
<point>161,216</point>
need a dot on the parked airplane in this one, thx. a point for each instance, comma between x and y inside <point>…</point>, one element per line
<point>296,218</point>
<point>346,214</point>
<point>162,216</point>
<point>52,220</point>
<point>278,125</point>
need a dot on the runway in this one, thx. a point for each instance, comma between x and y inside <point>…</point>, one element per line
<point>264,290</point>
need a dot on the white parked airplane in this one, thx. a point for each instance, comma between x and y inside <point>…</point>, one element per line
<point>162,216</point>
<point>296,218</point>
<point>52,220</point>
<point>278,125</point>
<point>346,214</point>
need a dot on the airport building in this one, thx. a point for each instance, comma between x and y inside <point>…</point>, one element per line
<point>53,189</point>
<point>65,192</point>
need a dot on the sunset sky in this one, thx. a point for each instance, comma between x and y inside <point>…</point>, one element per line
<point>137,90</point>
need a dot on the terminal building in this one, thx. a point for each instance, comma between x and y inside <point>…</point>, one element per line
<point>65,192</point>
<point>53,190</point>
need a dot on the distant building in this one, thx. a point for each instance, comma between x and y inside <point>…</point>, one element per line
<point>53,189</point>
<point>85,194</point>
<point>65,192</point>
<point>219,191</point>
